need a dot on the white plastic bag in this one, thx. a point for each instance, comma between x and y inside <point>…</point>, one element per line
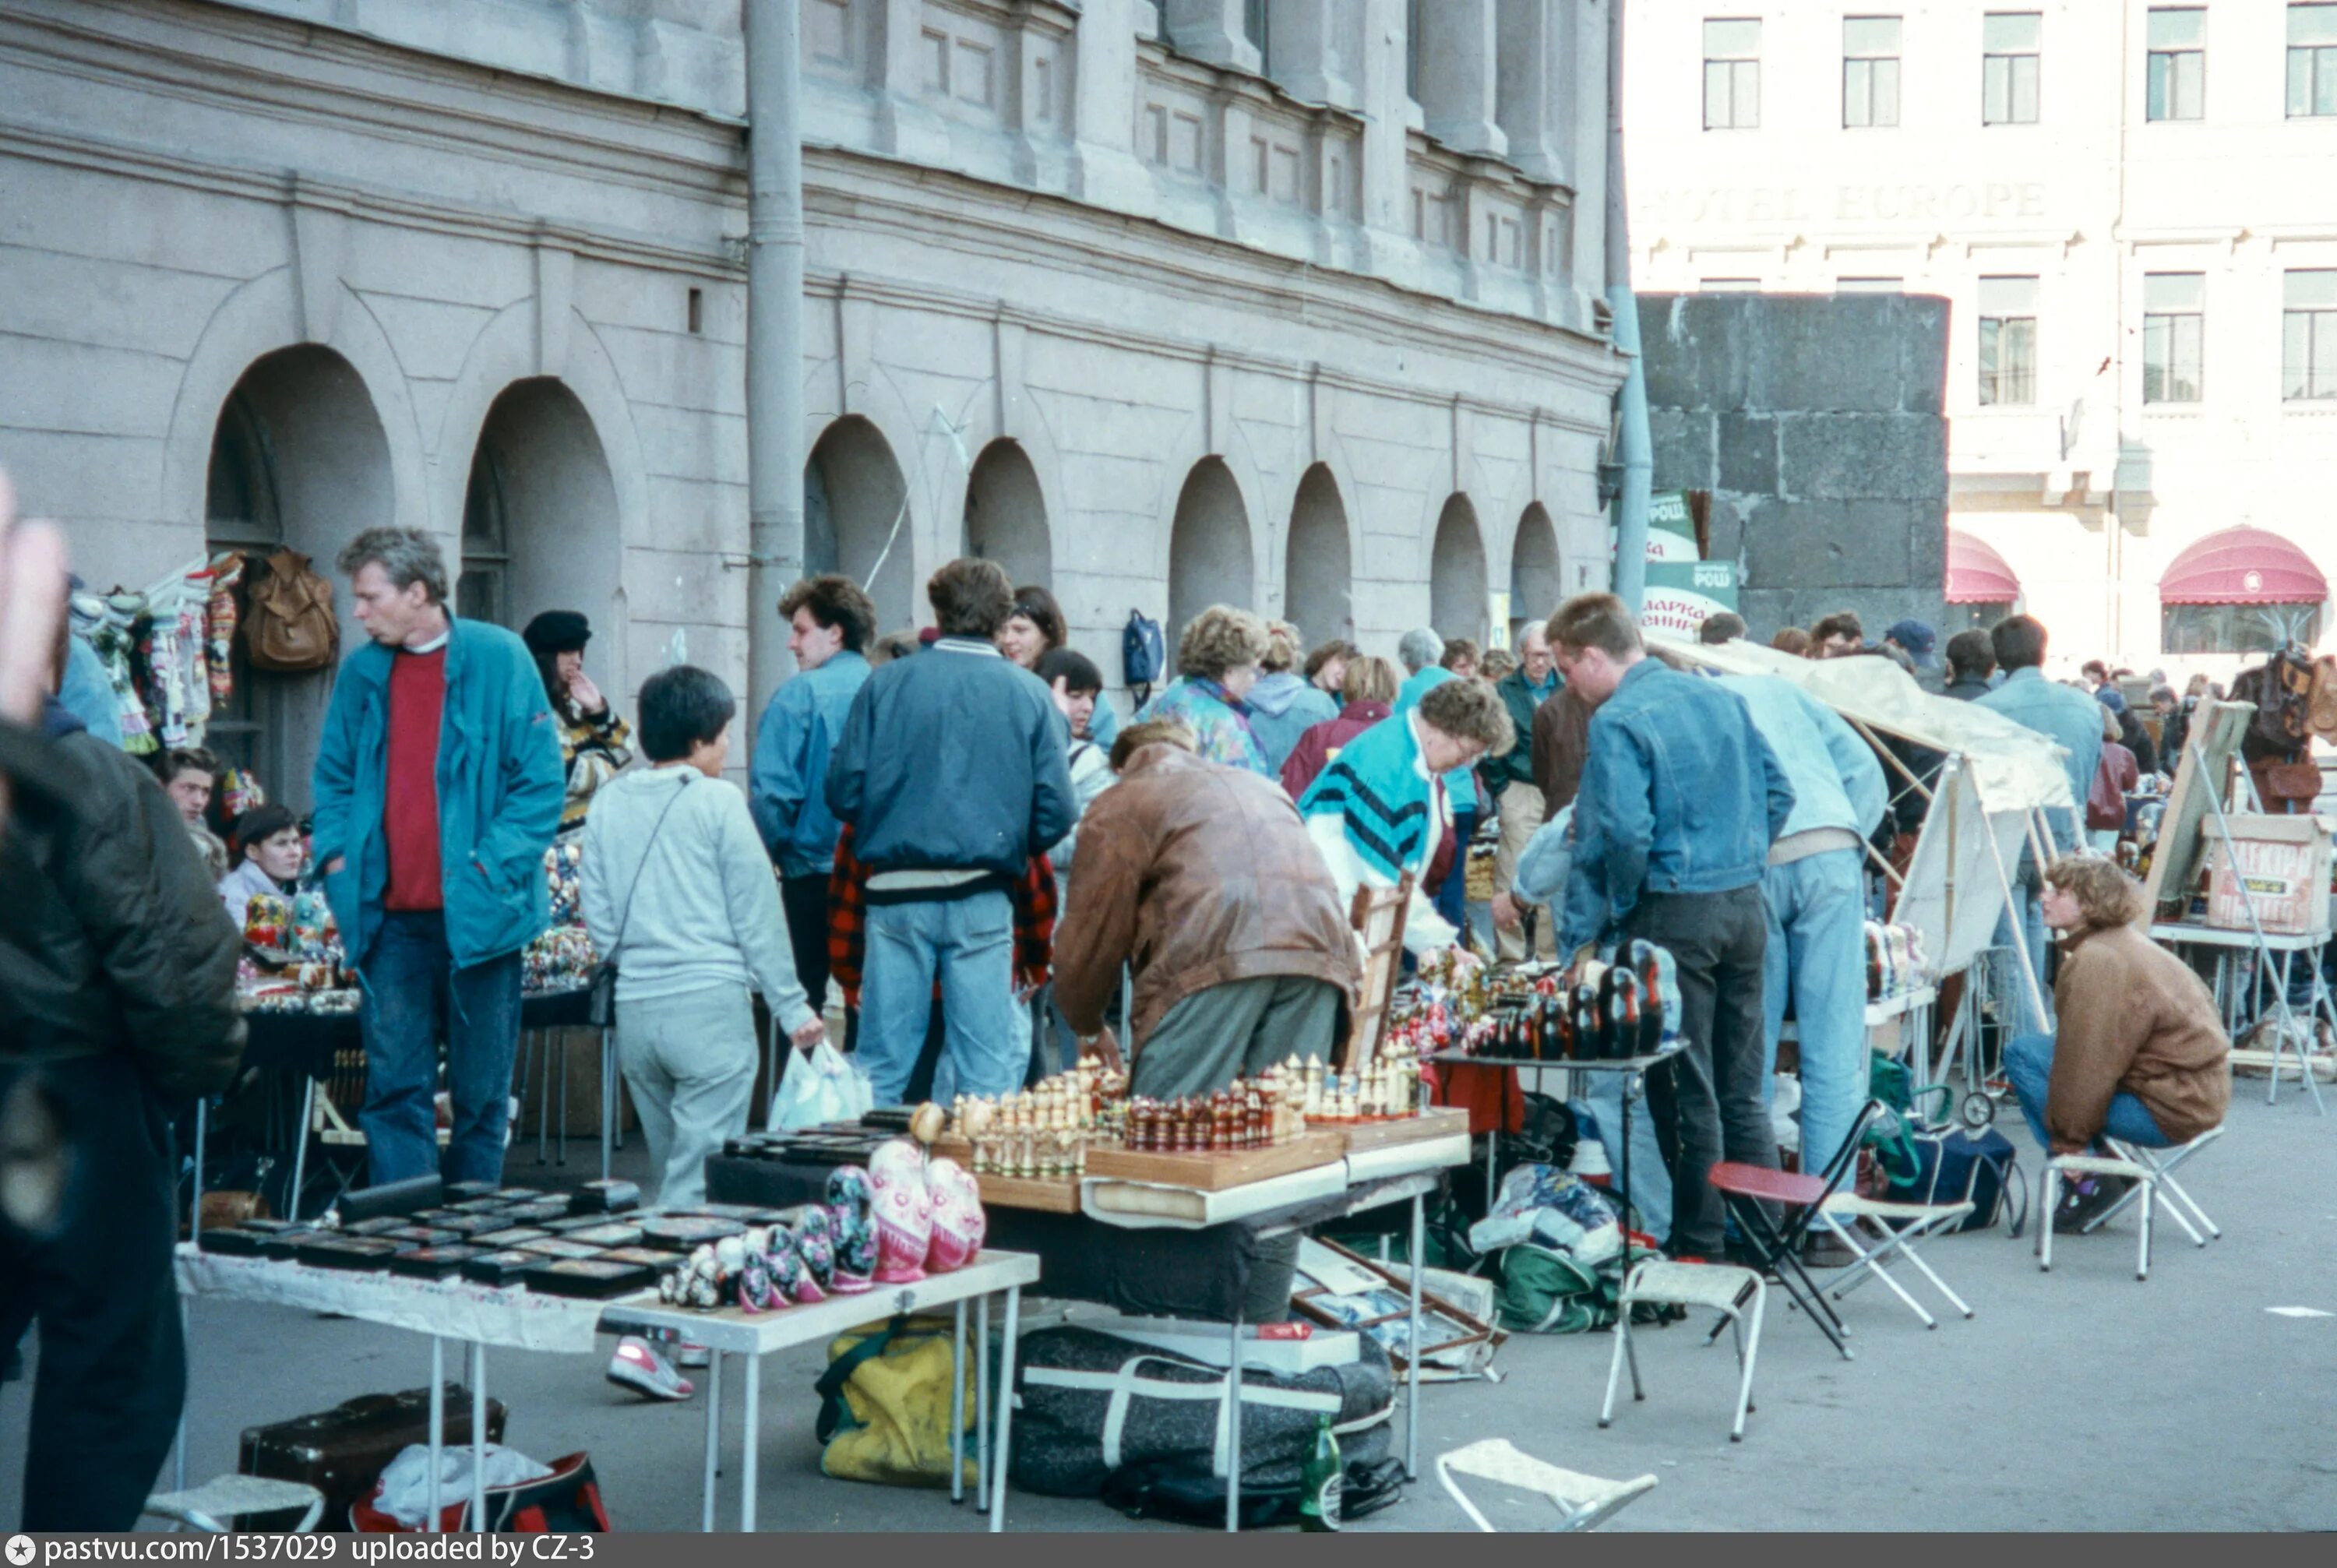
<point>820,1087</point>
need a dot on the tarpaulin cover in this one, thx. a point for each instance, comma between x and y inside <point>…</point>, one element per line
<point>2017,769</point>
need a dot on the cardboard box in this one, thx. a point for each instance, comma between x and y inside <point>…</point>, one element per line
<point>2285,863</point>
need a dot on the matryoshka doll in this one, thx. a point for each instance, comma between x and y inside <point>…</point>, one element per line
<point>849,1199</point>
<point>959,1223</point>
<point>902,1211</point>
<point>816,1248</point>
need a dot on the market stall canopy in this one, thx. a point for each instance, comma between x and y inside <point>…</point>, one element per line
<point>1977,574</point>
<point>2240,566</point>
<point>2017,769</point>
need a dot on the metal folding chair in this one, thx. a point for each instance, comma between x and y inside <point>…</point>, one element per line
<point>1721,1288</point>
<point>2148,1170</point>
<point>1749,1191</point>
<point>215,1507</point>
<point>1890,1231</point>
<point>1583,1502</point>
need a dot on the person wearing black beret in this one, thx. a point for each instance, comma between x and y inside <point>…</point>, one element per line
<point>594,743</point>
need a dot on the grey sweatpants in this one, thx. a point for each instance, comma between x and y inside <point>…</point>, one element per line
<point>689,1061</point>
<point>1236,1030</point>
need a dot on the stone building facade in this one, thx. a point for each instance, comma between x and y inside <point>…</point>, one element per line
<point>1286,304</point>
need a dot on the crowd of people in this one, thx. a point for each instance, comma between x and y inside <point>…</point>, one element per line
<point>950,845</point>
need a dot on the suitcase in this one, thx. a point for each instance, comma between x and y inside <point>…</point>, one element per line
<point>343,1451</point>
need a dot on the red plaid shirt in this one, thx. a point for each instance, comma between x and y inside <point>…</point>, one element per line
<point>847,921</point>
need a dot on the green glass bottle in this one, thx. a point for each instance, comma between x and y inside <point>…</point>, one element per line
<point>1319,1484</point>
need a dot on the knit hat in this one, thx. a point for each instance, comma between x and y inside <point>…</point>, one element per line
<point>557,632</point>
<point>2111,698</point>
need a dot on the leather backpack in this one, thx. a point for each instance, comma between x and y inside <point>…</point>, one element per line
<point>288,623</point>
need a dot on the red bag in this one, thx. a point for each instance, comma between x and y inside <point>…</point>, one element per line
<point>566,1502</point>
<point>2106,802</point>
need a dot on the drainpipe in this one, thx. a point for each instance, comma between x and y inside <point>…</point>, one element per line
<point>774,288</point>
<point>1634,447</point>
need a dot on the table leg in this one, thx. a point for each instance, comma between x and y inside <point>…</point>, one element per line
<point>751,1410</point>
<point>1625,1096</point>
<point>195,1209</point>
<point>300,1146</point>
<point>479,1435</point>
<point>1411,1346</point>
<point>179,1449</point>
<point>438,1421</point>
<point>541,1048</point>
<point>982,1403</point>
<point>957,1406</point>
<point>608,1100</point>
<point>713,1438</point>
<point>1005,1408</point>
<point>560,1155</point>
<point>1493,1143</point>
<point>1232,1417</point>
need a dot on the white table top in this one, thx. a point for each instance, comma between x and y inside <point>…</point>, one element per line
<point>734,1330</point>
<point>2215,936</point>
<point>1904,1002</point>
<point>511,1317</point>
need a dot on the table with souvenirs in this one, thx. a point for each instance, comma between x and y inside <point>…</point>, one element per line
<point>520,1267</point>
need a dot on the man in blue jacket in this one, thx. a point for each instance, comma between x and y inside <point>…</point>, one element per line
<point>830,622</point>
<point>1680,800</point>
<point>438,788</point>
<point>952,770</point>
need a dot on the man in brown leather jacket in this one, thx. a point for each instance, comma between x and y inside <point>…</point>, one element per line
<point>1204,879</point>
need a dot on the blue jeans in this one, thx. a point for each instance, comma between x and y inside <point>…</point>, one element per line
<point>1817,947</point>
<point>2029,1065</point>
<point>1601,1095</point>
<point>414,997</point>
<point>968,943</point>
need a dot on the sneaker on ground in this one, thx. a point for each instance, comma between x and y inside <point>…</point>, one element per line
<point>692,1355</point>
<point>1824,1250</point>
<point>2086,1198</point>
<point>638,1365</point>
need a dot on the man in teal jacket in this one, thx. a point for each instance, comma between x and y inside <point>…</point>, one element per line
<point>438,788</point>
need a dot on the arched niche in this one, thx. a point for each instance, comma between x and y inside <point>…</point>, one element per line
<point>856,518</point>
<point>1535,582</point>
<point>1318,577</point>
<point>298,460</point>
<point>1456,573</point>
<point>1006,515</point>
<point>539,522</point>
<point>1209,560</point>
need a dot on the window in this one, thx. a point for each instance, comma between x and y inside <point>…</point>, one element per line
<point>2008,340</point>
<point>1870,285</point>
<point>2311,60</point>
<point>2173,325</point>
<point>2236,627</point>
<point>1870,72</point>
<point>1411,49</point>
<point>1732,74</point>
<point>486,548</point>
<point>2308,336</point>
<point>1728,286</point>
<point>1255,28</point>
<point>2178,64</point>
<point>2010,43</point>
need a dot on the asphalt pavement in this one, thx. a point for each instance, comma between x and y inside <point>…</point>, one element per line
<point>2081,1399</point>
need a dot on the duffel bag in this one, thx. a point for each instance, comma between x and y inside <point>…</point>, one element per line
<point>1089,1404</point>
<point>566,1501</point>
<point>1958,1163</point>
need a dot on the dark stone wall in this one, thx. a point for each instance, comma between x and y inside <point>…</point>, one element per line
<point>1816,422</point>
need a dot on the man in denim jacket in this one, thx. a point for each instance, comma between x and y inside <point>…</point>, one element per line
<point>1679,802</point>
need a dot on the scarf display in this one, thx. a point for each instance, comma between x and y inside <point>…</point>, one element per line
<point>167,649</point>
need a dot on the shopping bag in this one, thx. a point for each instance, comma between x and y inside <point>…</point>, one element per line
<point>819,1088</point>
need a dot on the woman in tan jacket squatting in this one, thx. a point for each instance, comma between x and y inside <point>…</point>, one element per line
<point>2141,1055</point>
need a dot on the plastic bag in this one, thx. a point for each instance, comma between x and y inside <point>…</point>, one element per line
<point>819,1088</point>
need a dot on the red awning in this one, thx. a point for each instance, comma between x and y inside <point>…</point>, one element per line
<point>1978,574</point>
<point>2240,566</point>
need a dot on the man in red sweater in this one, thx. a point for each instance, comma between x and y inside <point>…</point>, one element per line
<point>438,788</point>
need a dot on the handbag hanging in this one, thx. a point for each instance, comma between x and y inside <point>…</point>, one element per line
<point>601,985</point>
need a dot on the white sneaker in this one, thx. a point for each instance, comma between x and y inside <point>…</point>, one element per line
<point>637,1366</point>
<point>688,1355</point>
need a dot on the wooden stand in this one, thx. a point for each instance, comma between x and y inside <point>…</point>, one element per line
<point>1216,1172</point>
<point>1436,1122</point>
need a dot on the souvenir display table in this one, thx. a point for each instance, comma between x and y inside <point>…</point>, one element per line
<point>729,1331</point>
<point>473,1316</point>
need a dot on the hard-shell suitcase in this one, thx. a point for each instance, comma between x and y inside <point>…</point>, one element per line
<point>342,1451</point>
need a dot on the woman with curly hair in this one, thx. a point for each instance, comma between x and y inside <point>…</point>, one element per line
<point>1217,665</point>
<point>2140,1055</point>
